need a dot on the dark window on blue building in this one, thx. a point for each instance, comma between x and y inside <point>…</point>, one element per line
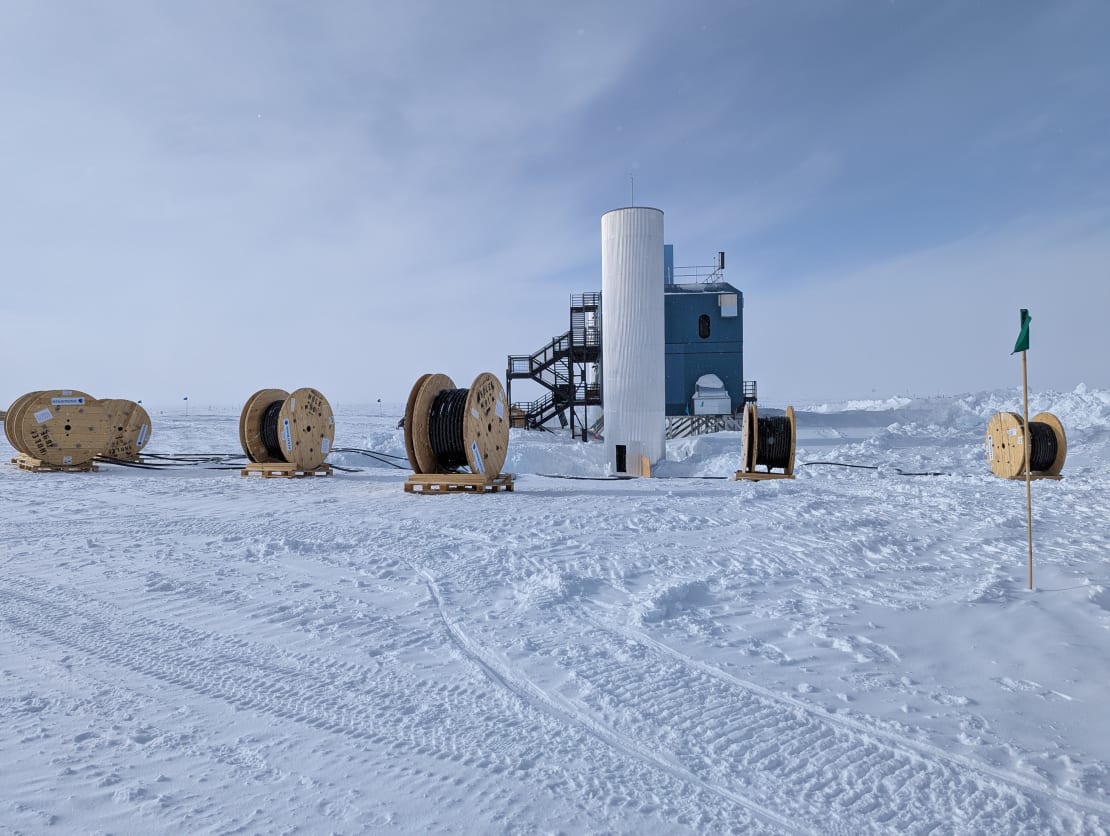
<point>703,326</point>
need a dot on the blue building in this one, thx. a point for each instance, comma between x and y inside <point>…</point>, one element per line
<point>703,335</point>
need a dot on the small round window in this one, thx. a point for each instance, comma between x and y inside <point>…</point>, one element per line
<point>703,326</point>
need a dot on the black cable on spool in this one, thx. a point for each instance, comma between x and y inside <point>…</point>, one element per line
<point>1042,446</point>
<point>270,430</point>
<point>445,428</point>
<point>773,448</point>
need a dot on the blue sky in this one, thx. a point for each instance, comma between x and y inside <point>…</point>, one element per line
<point>211,198</point>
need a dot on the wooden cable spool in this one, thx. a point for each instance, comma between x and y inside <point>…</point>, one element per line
<point>304,432</point>
<point>763,445</point>
<point>483,427</point>
<point>1005,446</point>
<point>60,427</point>
<point>129,426</point>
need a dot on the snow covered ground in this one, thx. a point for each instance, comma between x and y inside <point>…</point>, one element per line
<point>854,651</point>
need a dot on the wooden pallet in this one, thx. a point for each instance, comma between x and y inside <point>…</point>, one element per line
<point>284,470</point>
<point>38,466</point>
<point>458,483</point>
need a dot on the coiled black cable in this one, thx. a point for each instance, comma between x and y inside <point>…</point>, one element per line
<point>270,430</point>
<point>1042,447</point>
<point>445,428</point>
<point>773,446</point>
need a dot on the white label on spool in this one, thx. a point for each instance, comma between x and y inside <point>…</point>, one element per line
<point>331,420</point>
<point>990,448</point>
<point>474,412</point>
<point>478,463</point>
<point>1012,431</point>
<point>43,415</point>
<point>325,446</point>
<point>67,459</point>
<point>142,434</point>
<point>67,401</point>
<point>499,408</point>
<point>292,404</point>
<point>287,434</point>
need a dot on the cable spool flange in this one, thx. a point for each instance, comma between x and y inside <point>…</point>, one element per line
<point>1005,445</point>
<point>306,428</point>
<point>15,417</point>
<point>749,438</point>
<point>410,421</point>
<point>129,428</point>
<point>250,424</point>
<point>482,430</point>
<point>418,443</point>
<point>486,426</point>
<point>62,427</point>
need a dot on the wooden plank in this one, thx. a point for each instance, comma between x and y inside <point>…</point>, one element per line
<point>760,476</point>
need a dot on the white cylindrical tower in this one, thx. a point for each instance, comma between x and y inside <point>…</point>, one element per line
<point>632,362</point>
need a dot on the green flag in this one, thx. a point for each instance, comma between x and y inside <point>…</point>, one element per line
<point>1022,343</point>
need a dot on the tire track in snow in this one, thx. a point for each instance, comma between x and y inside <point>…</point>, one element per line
<point>563,710</point>
<point>779,756</point>
<point>388,712</point>
<point>970,780</point>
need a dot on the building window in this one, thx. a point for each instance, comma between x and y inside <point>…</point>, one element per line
<point>703,326</point>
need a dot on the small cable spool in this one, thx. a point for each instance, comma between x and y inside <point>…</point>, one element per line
<point>767,442</point>
<point>129,428</point>
<point>1005,446</point>
<point>60,427</point>
<point>447,428</point>
<point>296,428</point>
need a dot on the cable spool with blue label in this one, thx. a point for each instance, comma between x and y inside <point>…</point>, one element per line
<point>767,442</point>
<point>287,434</point>
<point>58,429</point>
<point>129,429</point>
<point>457,439</point>
<point>1005,446</point>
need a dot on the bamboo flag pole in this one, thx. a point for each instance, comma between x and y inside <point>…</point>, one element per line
<point>1028,477</point>
<point>1022,345</point>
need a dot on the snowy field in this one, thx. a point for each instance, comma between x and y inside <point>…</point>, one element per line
<point>854,651</point>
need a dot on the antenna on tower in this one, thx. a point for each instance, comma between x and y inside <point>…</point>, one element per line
<point>632,180</point>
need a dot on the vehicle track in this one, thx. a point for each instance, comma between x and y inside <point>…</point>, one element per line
<point>792,764</point>
<point>391,715</point>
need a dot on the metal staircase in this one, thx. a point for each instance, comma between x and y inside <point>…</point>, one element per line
<point>565,367</point>
<point>681,426</point>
